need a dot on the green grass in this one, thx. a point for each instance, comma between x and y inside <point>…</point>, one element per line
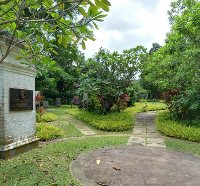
<point>50,165</point>
<point>183,146</point>
<point>175,128</point>
<point>115,122</point>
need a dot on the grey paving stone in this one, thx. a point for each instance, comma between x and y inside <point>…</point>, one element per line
<point>145,132</point>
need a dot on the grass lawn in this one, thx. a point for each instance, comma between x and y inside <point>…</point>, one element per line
<point>183,146</point>
<point>50,164</point>
<point>115,122</point>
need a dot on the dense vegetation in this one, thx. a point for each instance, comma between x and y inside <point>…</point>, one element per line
<point>40,25</point>
<point>174,69</point>
<point>106,77</point>
<point>170,72</point>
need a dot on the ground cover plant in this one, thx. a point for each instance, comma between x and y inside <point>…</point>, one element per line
<point>48,132</point>
<point>57,128</point>
<point>189,130</point>
<point>50,164</point>
<point>115,121</point>
<point>46,117</point>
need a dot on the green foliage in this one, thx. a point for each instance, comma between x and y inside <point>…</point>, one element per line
<point>137,92</point>
<point>38,24</point>
<point>153,106</point>
<point>50,165</point>
<point>106,77</point>
<point>175,67</point>
<point>122,121</point>
<point>61,80</point>
<point>46,117</point>
<point>175,128</point>
<point>46,132</point>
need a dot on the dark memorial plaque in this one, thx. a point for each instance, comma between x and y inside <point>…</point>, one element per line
<point>21,99</point>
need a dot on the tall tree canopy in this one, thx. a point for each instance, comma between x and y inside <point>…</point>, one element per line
<point>37,24</point>
<point>175,68</point>
<point>61,80</point>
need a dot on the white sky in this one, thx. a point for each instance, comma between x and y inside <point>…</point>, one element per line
<point>130,23</point>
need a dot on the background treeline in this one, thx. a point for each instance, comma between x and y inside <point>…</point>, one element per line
<point>114,80</point>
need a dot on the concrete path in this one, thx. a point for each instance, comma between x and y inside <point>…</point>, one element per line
<point>136,165</point>
<point>144,131</point>
<point>79,125</point>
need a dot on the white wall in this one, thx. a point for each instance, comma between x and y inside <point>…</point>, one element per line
<point>16,125</point>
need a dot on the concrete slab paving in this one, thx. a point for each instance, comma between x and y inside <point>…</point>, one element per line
<point>136,165</point>
<point>80,126</point>
<point>145,132</point>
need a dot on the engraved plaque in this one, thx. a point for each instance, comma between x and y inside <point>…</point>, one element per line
<point>21,99</point>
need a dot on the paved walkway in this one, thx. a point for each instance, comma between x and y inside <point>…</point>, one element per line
<point>79,125</point>
<point>144,131</point>
<point>136,165</point>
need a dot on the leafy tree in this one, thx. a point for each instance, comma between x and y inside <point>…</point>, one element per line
<point>155,46</point>
<point>36,25</point>
<point>152,92</point>
<point>107,76</point>
<point>60,81</point>
<point>174,69</point>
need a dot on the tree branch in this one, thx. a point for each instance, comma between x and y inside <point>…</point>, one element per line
<point>8,50</point>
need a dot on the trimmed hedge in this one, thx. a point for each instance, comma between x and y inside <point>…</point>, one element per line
<point>115,122</point>
<point>177,129</point>
<point>46,132</point>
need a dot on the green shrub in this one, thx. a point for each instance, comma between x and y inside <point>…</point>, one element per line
<point>175,128</point>
<point>47,132</point>
<point>46,117</point>
<point>115,121</point>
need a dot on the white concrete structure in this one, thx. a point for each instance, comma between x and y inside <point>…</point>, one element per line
<point>17,128</point>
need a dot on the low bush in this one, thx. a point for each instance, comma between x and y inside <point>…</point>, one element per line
<point>46,117</point>
<point>47,132</point>
<point>175,128</point>
<point>115,121</point>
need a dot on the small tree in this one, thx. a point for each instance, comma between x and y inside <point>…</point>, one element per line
<point>107,76</point>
